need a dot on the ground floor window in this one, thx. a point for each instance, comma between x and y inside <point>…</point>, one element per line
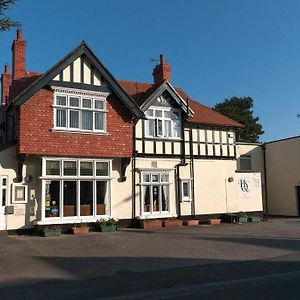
<point>3,189</point>
<point>83,192</point>
<point>154,192</point>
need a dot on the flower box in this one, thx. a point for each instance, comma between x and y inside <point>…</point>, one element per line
<point>172,223</point>
<point>80,230</point>
<point>150,224</point>
<point>51,231</point>
<point>254,219</point>
<point>243,219</point>
<point>108,228</point>
<point>191,223</point>
<point>214,221</point>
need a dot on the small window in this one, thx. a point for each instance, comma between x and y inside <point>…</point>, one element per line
<point>70,168</point>
<point>99,104</point>
<point>245,163</point>
<point>87,103</point>
<point>61,100</point>
<point>186,190</point>
<point>74,102</point>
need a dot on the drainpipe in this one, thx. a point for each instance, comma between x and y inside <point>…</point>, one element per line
<point>183,163</point>
<point>265,179</point>
<point>133,122</point>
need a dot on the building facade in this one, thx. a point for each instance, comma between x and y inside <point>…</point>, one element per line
<point>79,145</point>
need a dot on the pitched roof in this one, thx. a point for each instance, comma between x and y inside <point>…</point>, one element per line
<point>140,91</point>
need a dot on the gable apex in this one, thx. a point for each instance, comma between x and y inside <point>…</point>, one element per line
<point>86,60</point>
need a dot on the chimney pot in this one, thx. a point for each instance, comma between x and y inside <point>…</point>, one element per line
<point>6,69</point>
<point>19,35</point>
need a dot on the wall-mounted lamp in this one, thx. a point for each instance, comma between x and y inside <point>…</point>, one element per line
<point>230,179</point>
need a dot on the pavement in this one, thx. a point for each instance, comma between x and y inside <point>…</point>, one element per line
<point>231,261</point>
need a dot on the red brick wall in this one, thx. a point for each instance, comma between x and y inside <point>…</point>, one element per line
<point>36,135</point>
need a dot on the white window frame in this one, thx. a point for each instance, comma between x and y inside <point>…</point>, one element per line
<point>81,95</point>
<point>152,183</point>
<point>20,186</point>
<point>61,178</point>
<point>163,119</point>
<point>183,197</point>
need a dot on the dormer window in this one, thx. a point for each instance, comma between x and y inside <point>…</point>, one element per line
<point>81,112</point>
<point>163,122</point>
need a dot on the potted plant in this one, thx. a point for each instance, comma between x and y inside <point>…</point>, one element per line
<point>242,217</point>
<point>107,225</point>
<point>172,223</point>
<point>80,228</point>
<point>191,223</point>
<point>214,221</point>
<point>52,230</point>
<point>150,223</point>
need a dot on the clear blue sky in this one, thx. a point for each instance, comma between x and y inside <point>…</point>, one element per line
<point>217,49</point>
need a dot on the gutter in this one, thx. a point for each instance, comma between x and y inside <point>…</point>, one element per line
<point>265,178</point>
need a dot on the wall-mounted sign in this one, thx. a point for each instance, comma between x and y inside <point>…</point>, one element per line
<point>19,193</point>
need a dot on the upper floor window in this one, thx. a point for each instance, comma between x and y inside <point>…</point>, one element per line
<point>163,122</point>
<point>79,113</point>
<point>245,163</point>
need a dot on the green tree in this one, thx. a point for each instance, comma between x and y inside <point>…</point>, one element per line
<point>5,22</point>
<point>240,110</point>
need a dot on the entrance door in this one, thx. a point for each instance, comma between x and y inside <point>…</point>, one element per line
<point>298,198</point>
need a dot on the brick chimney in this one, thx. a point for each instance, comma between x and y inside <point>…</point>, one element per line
<point>5,84</point>
<point>162,71</point>
<point>18,53</point>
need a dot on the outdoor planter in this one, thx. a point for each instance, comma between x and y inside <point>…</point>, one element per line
<point>108,228</point>
<point>80,230</point>
<point>172,223</point>
<point>214,221</point>
<point>191,223</point>
<point>243,219</point>
<point>150,224</point>
<point>254,219</point>
<point>51,231</point>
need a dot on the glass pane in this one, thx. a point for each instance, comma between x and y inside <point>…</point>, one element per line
<point>70,168</point>
<point>52,198</point>
<point>149,112</point>
<point>159,127</point>
<point>3,181</point>
<point>146,178</point>
<point>87,103</point>
<point>102,169</point>
<point>155,197</point>
<point>3,197</point>
<point>101,197</point>
<point>245,163</point>
<point>158,113</point>
<point>61,100</point>
<point>99,104</point>
<point>74,119</point>
<point>86,198</point>
<point>86,168</point>
<point>52,167</point>
<point>177,128</point>
<point>61,118</point>
<point>185,189</point>
<point>70,196</point>
<point>150,127</point>
<point>168,128</point>
<point>155,178</point>
<point>87,120</point>
<point>164,177</point>
<point>164,199</point>
<point>74,101</point>
<point>146,200</point>
<point>167,114</point>
<point>99,121</point>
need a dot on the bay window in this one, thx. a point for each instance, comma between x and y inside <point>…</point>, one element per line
<point>79,112</point>
<point>154,192</point>
<point>163,122</point>
<point>75,188</point>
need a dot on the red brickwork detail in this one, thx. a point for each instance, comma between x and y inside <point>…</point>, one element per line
<point>36,135</point>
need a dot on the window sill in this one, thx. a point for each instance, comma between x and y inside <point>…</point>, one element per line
<point>68,220</point>
<point>163,138</point>
<point>78,132</point>
<point>157,215</point>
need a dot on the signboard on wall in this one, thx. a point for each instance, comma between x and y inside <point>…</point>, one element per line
<point>247,183</point>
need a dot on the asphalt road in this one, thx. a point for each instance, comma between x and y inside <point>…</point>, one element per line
<point>229,261</point>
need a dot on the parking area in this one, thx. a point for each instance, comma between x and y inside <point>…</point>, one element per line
<point>140,264</point>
